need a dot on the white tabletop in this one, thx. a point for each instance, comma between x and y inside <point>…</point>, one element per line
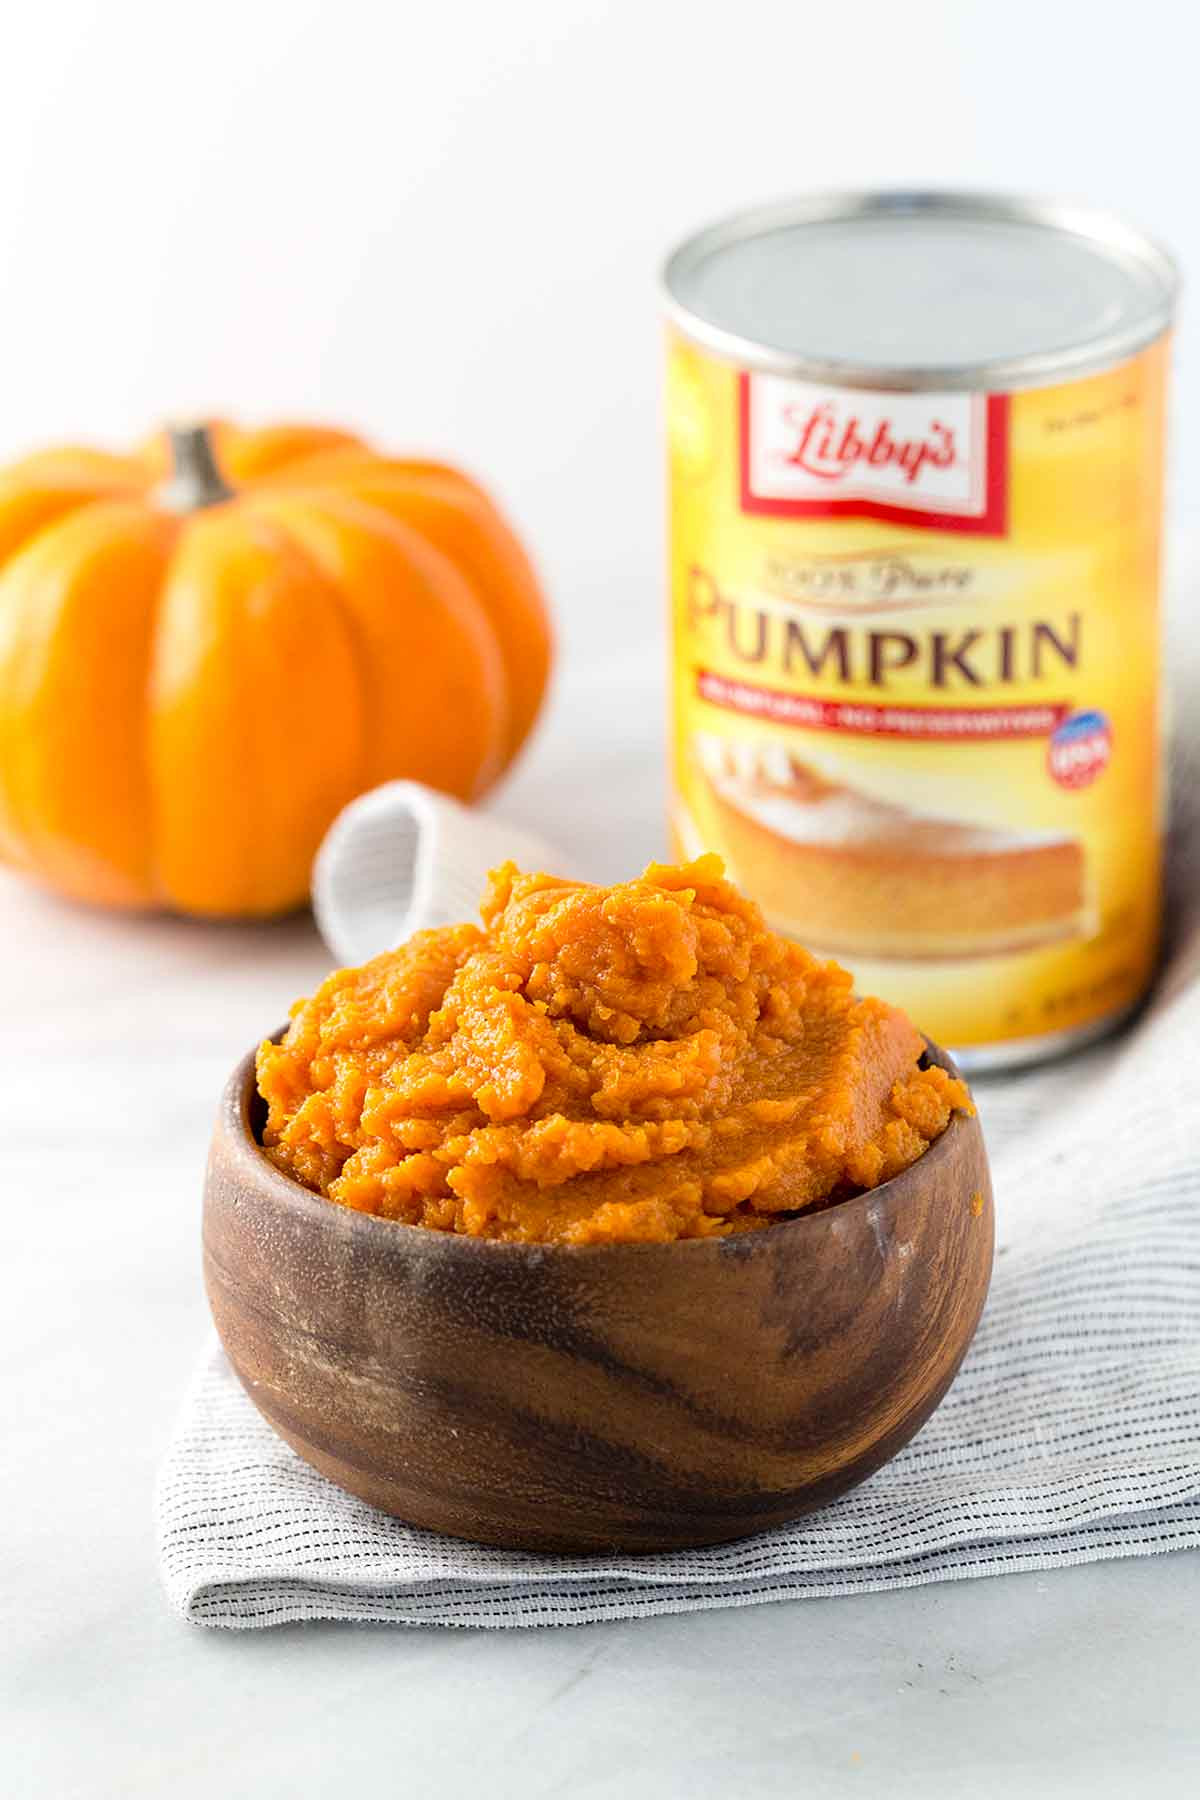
<point>1081,1681</point>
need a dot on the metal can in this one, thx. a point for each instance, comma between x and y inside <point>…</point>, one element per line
<point>916,471</point>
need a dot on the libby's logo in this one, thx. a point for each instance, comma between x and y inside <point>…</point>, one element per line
<point>829,447</point>
<point>922,459</point>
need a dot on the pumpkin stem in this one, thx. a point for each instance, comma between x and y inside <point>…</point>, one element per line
<point>195,480</point>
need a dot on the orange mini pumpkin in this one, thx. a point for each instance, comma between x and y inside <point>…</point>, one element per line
<point>208,647</point>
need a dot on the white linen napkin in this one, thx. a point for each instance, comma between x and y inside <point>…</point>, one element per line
<point>1072,1433</point>
<point>402,858</point>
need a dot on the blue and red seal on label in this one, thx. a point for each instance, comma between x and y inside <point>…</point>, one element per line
<point>1080,749</point>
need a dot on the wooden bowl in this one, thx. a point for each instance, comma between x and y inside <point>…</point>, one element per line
<point>597,1397</point>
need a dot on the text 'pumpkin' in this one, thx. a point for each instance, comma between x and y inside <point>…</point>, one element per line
<point>209,647</point>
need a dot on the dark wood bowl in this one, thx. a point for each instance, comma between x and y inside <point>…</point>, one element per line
<point>587,1398</point>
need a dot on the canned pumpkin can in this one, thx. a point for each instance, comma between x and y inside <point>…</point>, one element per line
<point>916,471</point>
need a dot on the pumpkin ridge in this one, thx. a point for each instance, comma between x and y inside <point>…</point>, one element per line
<point>73,501</point>
<point>249,457</point>
<point>340,507</point>
<point>250,770</point>
<point>39,699</point>
<point>345,615</point>
<point>457,516</point>
<point>474,611</point>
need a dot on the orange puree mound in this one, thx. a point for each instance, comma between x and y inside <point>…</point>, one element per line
<point>598,1065</point>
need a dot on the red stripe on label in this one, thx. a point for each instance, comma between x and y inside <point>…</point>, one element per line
<point>866,718</point>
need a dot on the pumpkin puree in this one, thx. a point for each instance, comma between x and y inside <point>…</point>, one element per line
<point>598,1065</point>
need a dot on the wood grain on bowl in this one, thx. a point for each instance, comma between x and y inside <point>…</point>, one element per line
<point>636,1397</point>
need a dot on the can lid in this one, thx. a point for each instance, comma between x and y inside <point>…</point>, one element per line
<point>922,290</point>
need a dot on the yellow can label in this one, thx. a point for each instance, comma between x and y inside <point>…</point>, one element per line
<point>916,680</point>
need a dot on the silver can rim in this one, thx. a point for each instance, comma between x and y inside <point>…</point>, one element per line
<point>1105,229</point>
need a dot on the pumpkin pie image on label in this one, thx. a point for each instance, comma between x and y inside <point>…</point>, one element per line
<point>849,871</point>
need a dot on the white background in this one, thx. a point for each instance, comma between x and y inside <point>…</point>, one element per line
<point>443,223</point>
